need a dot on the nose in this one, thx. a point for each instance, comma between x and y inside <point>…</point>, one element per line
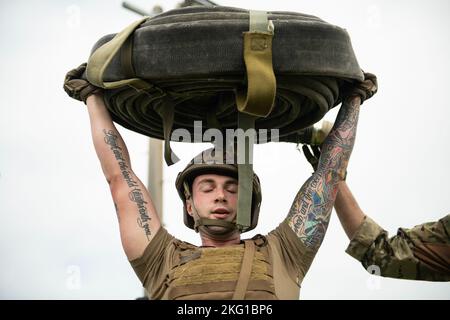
<point>220,195</point>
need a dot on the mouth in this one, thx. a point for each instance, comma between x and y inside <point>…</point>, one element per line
<point>220,213</point>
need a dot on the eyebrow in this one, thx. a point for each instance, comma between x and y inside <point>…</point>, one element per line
<point>204,181</point>
<point>227,182</point>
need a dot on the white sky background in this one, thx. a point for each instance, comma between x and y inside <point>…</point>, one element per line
<point>59,237</point>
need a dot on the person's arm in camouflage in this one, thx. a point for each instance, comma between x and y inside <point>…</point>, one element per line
<point>420,253</point>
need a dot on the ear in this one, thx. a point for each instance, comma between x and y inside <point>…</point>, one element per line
<point>189,207</point>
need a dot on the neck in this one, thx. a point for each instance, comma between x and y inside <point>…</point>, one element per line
<point>207,241</point>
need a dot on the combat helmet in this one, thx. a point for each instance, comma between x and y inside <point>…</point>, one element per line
<point>221,162</point>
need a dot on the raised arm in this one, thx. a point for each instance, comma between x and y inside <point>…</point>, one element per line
<point>348,211</point>
<point>310,212</point>
<point>138,219</point>
<point>137,215</point>
<point>419,253</point>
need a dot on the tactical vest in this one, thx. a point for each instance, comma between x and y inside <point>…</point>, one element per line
<point>236,272</point>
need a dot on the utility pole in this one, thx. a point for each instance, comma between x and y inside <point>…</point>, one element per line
<point>155,149</point>
<point>157,9</point>
<point>155,175</point>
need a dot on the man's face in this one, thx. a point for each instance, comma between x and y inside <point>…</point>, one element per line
<point>214,197</point>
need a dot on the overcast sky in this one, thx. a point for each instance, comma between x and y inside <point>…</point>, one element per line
<point>59,237</point>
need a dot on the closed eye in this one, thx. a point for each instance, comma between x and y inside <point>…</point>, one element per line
<point>207,188</point>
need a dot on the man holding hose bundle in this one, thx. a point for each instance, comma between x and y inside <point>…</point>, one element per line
<point>224,267</point>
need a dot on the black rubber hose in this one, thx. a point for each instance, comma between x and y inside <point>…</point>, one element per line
<point>194,55</point>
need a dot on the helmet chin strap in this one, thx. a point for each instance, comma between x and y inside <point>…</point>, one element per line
<point>203,225</point>
<point>227,228</point>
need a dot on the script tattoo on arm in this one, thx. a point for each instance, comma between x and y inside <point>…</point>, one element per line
<point>135,193</point>
<point>310,213</point>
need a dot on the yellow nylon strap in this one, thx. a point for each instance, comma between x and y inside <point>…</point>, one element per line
<point>101,58</point>
<point>259,98</point>
<point>246,270</point>
<point>246,122</point>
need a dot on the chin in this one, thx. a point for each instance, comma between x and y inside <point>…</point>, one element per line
<point>216,228</point>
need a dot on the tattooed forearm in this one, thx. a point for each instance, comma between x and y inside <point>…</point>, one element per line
<point>143,219</point>
<point>310,213</point>
<point>135,193</point>
<point>338,146</point>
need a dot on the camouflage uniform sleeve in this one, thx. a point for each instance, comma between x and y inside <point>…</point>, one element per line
<point>419,253</point>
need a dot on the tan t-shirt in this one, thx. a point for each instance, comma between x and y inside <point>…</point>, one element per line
<point>173,269</point>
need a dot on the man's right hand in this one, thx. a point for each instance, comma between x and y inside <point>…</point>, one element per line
<point>78,88</point>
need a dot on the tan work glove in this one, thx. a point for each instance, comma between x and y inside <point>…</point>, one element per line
<point>313,158</point>
<point>365,90</point>
<point>78,88</point>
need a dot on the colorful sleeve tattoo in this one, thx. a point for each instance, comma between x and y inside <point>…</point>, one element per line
<point>311,210</point>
